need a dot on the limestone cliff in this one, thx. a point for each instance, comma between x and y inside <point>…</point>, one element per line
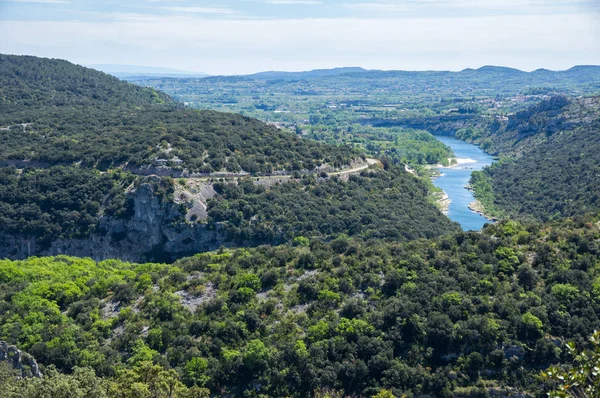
<point>156,231</point>
<point>20,361</point>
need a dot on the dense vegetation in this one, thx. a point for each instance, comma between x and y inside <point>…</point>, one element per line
<point>524,130</point>
<point>74,203</point>
<point>199,142</point>
<point>404,146</point>
<point>62,156</point>
<point>33,82</point>
<point>59,202</point>
<point>143,381</point>
<point>535,117</point>
<point>55,112</point>
<point>373,292</point>
<point>556,172</point>
<point>375,204</point>
<point>339,106</point>
<point>456,315</point>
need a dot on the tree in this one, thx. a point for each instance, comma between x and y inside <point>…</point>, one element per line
<point>581,380</point>
<point>83,383</point>
<point>141,353</point>
<point>384,394</point>
<point>531,326</point>
<point>256,355</point>
<point>195,371</point>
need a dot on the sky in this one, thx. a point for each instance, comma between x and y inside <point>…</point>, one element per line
<point>246,36</point>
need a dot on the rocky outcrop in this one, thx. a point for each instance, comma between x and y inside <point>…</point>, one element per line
<point>20,361</point>
<point>157,231</point>
<point>546,117</point>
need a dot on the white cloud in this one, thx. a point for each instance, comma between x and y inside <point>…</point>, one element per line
<point>37,1</point>
<point>202,10</point>
<point>291,2</point>
<point>241,46</point>
<point>491,6</point>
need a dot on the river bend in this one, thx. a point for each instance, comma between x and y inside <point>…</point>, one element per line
<point>454,179</point>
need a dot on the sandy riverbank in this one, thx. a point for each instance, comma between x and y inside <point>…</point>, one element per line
<point>457,162</point>
<point>453,163</point>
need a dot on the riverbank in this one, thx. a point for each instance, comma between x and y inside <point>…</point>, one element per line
<point>453,163</point>
<point>442,200</point>
<point>444,203</point>
<point>478,208</point>
<point>452,180</point>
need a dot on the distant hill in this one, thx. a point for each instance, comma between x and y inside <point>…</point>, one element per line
<point>75,115</point>
<point>584,68</point>
<point>27,81</point>
<point>484,70</point>
<point>491,69</point>
<point>583,73</point>
<point>123,71</point>
<point>496,77</point>
<point>488,81</point>
<point>304,75</point>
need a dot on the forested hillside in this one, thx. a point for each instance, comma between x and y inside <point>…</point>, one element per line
<point>27,81</point>
<point>552,169</point>
<point>55,112</point>
<point>59,202</point>
<point>165,141</point>
<point>281,266</point>
<point>87,162</point>
<point>467,315</point>
<point>375,204</point>
<point>524,130</point>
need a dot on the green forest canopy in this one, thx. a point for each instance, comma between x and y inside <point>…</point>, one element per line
<point>554,170</point>
<point>61,113</point>
<point>442,316</point>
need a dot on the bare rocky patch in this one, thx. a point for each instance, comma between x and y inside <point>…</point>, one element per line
<point>191,301</point>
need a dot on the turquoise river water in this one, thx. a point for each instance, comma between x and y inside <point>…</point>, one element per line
<point>454,179</point>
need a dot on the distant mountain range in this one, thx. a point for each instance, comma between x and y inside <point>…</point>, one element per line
<point>312,73</point>
<point>487,69</point>
<point>578,72</point>
<point>123,71</point>
<point>137,73</point>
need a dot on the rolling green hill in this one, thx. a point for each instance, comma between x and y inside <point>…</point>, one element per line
<point>373,204</point>
<point>27,81</point>
<point>166,141</point>
<point>54,112</point>
<point>282,267</point>
<point>88,162</point>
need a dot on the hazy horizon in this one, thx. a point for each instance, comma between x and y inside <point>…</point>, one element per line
<point>234,37</point>
<point>175,71</point>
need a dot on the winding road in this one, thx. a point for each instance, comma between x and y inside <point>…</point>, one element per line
<point>369,162</point>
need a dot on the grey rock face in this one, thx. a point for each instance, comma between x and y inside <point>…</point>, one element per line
<point>20,361</point>
<point>157,231</point>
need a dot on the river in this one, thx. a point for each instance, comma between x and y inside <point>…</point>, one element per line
<point>454,179</point>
